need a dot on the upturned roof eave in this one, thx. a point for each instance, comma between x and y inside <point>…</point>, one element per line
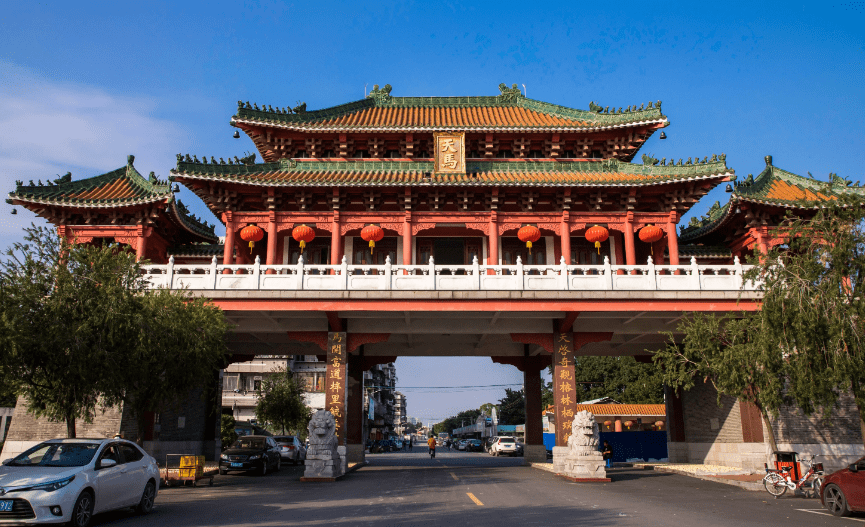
<point>100,204</point>
<point>351,128</point>
<point>439,183</point>
<point>183,222</point>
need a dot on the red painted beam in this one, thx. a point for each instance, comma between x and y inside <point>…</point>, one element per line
<point>610,306</point>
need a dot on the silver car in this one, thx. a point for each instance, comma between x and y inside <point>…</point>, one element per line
<point>291,449</point>
<point>70,480</point>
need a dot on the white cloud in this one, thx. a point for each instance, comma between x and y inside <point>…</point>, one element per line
<point>49,127</point>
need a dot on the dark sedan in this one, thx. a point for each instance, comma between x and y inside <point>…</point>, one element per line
<point>251,453</point>
<point>843,492</point>
<point>474,445</point>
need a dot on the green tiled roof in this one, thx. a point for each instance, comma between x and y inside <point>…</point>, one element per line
<point>302,173</point>
<point>398,116</point>
<point>123,187</point>
<point>198,250</point>
<point>703,251</point>
<point>773,187</point>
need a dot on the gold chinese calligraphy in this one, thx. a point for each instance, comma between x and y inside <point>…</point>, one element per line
<point>564,386</point>
<point>450,155</point>
<point>336,373</point>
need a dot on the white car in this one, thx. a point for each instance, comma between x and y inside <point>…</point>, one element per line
<point>504,446</point>
<point>70,480</point>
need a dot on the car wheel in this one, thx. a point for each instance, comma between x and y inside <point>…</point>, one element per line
<point>82,512</point>
<point>147,497</point>
<point>835,501</point>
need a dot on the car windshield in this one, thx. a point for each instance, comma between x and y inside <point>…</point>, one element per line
<point>249,443</point>
<point>506,440</point>
<point>56,455</point>
<point>284,439</point>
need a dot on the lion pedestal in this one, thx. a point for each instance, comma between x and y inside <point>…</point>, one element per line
<point>581,460</point>
<point>323,461</point>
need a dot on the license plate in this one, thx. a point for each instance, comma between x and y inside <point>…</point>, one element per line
<point>237,464</point>
<point>6,506</point>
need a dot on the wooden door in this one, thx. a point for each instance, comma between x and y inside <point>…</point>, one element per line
<point>584,252</point>
<point>317,252</point>
<point>513,247</point>
<point>362,255</point>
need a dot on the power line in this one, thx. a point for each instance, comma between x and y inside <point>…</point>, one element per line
<point>441,387</point>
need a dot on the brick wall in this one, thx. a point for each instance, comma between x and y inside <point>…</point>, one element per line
<point>26,427</point>
<point>842,426</point>
<point>706,421</point>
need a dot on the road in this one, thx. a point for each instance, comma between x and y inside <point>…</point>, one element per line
<point>461,488</point>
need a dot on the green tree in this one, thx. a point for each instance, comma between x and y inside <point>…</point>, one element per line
<point>736,355</point>
<point>226,430</point>
<point>512,407</point>
<point>64,309</point>
<point>280,402</point>
<point>79,329</point>
<point>175,347</point>
<point>463,418</point>
<point>487,408</point>
<point>547,395</point>
<point>620,378</point>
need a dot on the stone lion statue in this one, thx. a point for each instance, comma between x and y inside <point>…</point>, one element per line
<point>322,428</point>
<point>584,434</point>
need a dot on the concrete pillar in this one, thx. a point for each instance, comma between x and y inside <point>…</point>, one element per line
<point>535,452</point>
<point>335,238</point>
<point>354,410</point>
<point>618,424</point>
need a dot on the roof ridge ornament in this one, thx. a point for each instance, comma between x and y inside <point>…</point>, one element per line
<point>509,94</point>
<point>381,95</point>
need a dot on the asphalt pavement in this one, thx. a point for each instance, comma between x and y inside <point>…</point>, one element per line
<point>458,488</point>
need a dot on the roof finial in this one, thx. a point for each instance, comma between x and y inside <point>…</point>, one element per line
<point>768,160</point>
<point>130,159</point>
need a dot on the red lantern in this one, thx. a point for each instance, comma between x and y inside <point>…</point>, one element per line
<point>302,234</point>
<point>650,234</point>
<point>372,234</point>
<point>251,234</point>
<point>597,234</point>
<point>529,234</point>
<point>629,424</point>
<point>659,424</point>
<point>608,424</point>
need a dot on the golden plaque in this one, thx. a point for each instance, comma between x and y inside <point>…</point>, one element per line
<point>450,152</point>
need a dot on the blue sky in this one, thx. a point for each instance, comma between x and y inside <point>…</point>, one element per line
<point>84,84</point>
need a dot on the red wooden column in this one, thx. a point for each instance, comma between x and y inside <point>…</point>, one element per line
<point>564,386</point>
<point>673,238</point>
<point>566,236</point>
<point>335,383</point>
<point>630,254</point>
<point>228,250</point>
<point>271,240</point>
<point>534,427</point>
<point>335,238</point>
<point>406,239</point>
<point>354,410</point>
<point>493,258</point>
<point>141,249</point>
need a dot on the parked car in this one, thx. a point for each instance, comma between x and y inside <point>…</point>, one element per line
<point>251,453</point>
<point>489,443</point>
<point>520,449</point>
<point>397,443</point>
<point>504,445</point>
<point>70,480</point>
<point>843,491</point>
<point>461,445</point>
<point>290,449</point>
<point>475,445</point>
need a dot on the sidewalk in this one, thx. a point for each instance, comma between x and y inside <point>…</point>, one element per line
<point>720,474</point>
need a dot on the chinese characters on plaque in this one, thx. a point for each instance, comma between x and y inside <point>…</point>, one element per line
<point>450,155</point>
<point>565,386</point>
<point>335,389</point>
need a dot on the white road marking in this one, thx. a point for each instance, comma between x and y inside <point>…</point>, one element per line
<point>823,512</point>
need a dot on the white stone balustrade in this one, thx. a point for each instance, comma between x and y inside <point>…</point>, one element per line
<point>432,277</point>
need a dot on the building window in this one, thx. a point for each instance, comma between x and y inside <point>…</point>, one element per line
<point>230,382</point>
<point>256,384</point>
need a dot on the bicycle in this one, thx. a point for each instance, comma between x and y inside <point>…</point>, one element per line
<point>777,482</point>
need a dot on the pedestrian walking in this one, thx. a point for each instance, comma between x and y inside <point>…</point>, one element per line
<point>431,442</point>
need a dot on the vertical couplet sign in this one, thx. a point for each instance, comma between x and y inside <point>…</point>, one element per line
<point>335,384</point>
<point>565,386</point>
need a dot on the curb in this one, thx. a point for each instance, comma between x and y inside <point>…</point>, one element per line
<point>753,486</point>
